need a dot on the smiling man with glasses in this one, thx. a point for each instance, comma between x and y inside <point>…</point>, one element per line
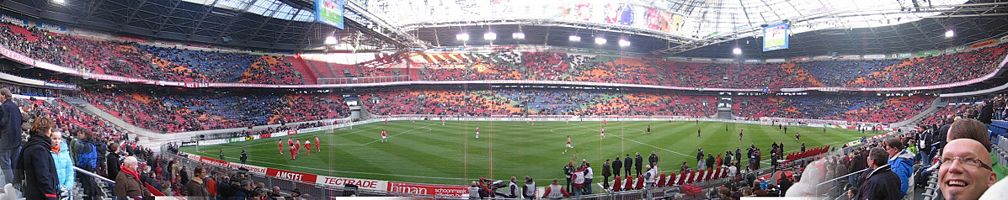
<point>965,171</point>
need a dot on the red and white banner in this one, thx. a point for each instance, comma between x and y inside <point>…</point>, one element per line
<point>360,183</point>
<point>289,175</point>
<point>192,157</point>
<point>250,168</point>
<point>292,132</point>
<point>366,184</point>
<point>212,161</point>
<point>428,189</point>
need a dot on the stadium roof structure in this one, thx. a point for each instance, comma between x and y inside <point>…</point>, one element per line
<point>258,24</point>
<point>690,27</point>
<point>693,28</point>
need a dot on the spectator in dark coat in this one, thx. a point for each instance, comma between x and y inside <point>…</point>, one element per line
<point>128,181</point>
<point>881,183</point>
<point>568,172</point>
<point>738,157</point>
<point>710,161</point>
<point>183,175</point>
<point>616,165</point>
<point>197,188</point>
<point>628,164</point>
<point>986,112</point>
<point>699,155</point>
<point>10,134</point>
<point>112,161</point>
<point>857,163</point>
<point>728,159</point>
<point>605,174</point>
<point>36,167</point>
<point>638,163</point>
<point>653,158</point>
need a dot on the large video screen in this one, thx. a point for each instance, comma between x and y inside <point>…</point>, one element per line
<point>775,37</point>
<point>330,12</point>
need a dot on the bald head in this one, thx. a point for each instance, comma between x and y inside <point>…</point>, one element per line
<point>965,171</point>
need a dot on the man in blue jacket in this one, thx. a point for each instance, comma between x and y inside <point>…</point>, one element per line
<point>900,162</point>
<point>10,135</point>
<point>879,184</point>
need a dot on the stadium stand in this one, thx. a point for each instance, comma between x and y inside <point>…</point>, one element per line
<point>194,112</point>
<point>844,108</point>
<point>513,102</point>
<point>166,171</point>
<point>130,59</point>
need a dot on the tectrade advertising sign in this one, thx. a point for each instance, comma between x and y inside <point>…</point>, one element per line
<point>367,184</point>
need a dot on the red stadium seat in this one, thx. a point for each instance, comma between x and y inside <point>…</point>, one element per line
<point>702,176</point>
<point>717,173</point>
<point>628,185</point>
<point>640,183</point>
<point>671,179</point>
<point>617,184</point>
<point>692,177</point>
<point>682,177</point>
<point>661,179</point>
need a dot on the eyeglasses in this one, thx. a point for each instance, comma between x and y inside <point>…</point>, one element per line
<point>973,162</point>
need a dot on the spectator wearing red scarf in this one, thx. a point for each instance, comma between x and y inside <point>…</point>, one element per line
<point>128,181</point>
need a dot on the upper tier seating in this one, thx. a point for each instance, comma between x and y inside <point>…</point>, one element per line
<point>129,59</point>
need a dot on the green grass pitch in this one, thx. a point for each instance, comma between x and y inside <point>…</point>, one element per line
<point>428,152</point>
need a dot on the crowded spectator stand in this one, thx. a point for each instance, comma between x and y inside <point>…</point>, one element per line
<point>130,61</point>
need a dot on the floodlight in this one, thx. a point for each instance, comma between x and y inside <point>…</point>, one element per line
<point>600,41</point>
<point>624,43</point>
<point>490,36</point>
<point>574,38</point>
<point>518,35</point>
<point>330,40</point>
<point>462,37</point>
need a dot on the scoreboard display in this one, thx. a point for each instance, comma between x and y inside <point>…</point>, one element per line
<point>330,12</point>
<point>775,37</point>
